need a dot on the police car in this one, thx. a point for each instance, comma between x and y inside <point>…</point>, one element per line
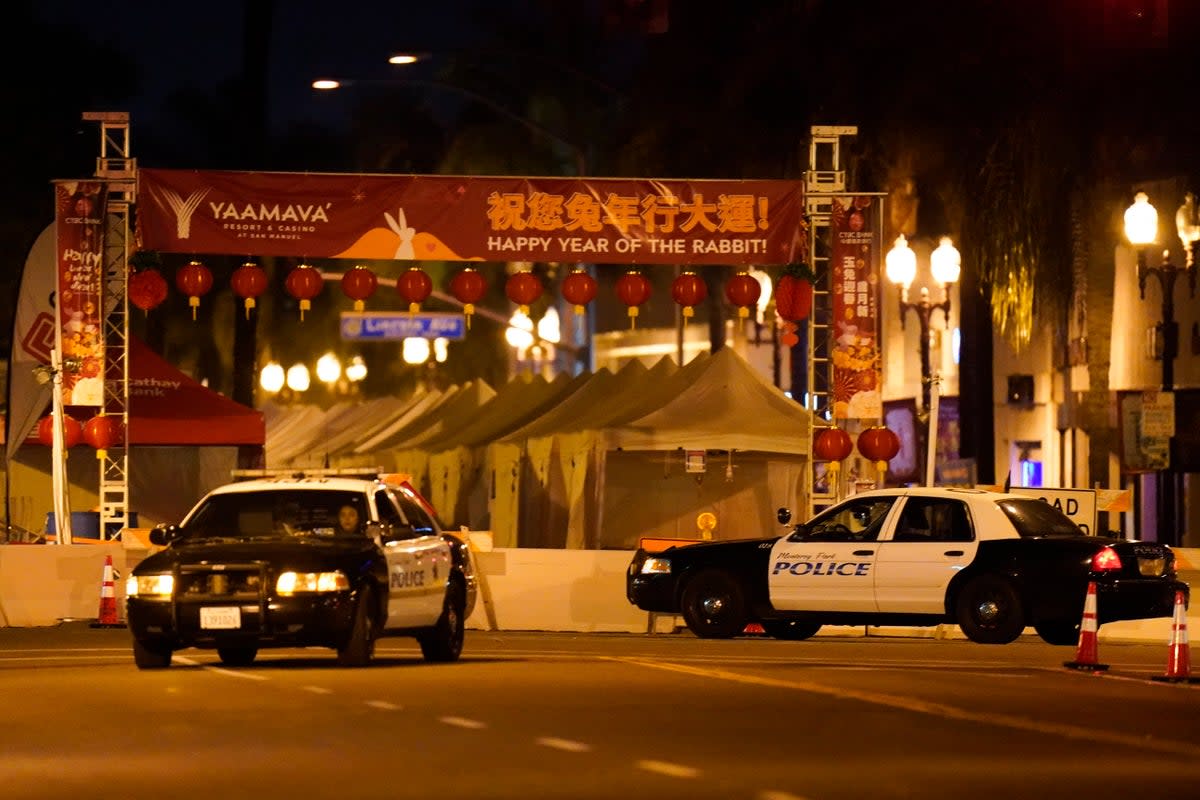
<point>991,562</point>
<point>305,560</point>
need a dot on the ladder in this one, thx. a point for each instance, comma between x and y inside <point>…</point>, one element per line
<point>118,169</point>
<point>824,180</point>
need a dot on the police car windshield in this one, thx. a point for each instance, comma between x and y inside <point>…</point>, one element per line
<point>278,513</point>
<point>1035,517</point>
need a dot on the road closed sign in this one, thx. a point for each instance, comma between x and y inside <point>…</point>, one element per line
<point>1078,504</point>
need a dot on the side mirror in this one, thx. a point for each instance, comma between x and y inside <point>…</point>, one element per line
<point>784,515</point>
<point>163,534</point>
<point>377,531</point>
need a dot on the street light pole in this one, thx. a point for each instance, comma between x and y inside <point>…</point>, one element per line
<point>1141,228</point>
<point>901,266</point>
<point>582,350</point>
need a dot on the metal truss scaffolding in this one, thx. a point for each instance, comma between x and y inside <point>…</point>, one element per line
<point>119,170</point>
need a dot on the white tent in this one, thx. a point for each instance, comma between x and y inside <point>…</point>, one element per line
<point>611,468</point>
<point>367,452</point>
<point>457,483</point>
<point>403,451</point>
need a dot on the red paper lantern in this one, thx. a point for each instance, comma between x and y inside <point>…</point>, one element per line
<point>523,288</point>
<point>880,445</point>
<point>248,282</point>
<point>689,290</point>
<point>793,298</point>
<point>304,283</point>
<point>633,289</point>
<point>414,286</point>
<point>832,445</point>
<point>194,280</point>
<point>72,431</point>
<point>147,289</point>
<point>102,432</point>
<point>743,291</point>
<point>359,283</point>
<point>468,287</point>
<point>579,289</point>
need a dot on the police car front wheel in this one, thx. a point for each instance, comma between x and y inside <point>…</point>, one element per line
<point>714,606</point>
<point>359,646</point>
<point>237,656</point>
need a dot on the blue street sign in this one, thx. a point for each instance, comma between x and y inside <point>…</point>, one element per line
<point>389,325</point>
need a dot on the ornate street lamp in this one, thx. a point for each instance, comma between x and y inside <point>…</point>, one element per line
<point>1141,228</point>
<point>901,266</point>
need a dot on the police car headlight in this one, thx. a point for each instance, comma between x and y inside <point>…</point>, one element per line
<point>290,583</point>
<point>656,566</point>
<point>150,586</point>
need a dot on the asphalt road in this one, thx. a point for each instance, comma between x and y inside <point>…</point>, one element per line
<point>595,716</point>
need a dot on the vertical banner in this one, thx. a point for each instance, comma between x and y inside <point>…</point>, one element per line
<point>34,336</point>
<point>79,212</point>
<point>854,229</point>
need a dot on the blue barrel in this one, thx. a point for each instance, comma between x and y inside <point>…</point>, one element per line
<point>86,524</point>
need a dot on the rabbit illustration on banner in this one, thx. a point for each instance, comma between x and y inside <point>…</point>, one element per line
<point>404,250</point>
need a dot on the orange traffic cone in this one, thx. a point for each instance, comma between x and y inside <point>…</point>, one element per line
<point>754,628</point>
<point>108,600</point>
<point>1179,658</point>
<point>1086,654</point>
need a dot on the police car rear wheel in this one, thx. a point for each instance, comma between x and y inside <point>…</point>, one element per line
<point>713,605</point>
<point>359,646</point>
<point>989,610</point>
<point>237,656</point>
<point>791,630</point>
<point>1058,633</point>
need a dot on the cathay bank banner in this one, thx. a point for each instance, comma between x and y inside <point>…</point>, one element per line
<point>457,218</point>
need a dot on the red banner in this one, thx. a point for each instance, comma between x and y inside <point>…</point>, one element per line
<point>457,218</point>
<point>857,373</point>
<point>79,208</point>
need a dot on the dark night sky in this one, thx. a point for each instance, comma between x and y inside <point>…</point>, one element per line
<point>181,45</point>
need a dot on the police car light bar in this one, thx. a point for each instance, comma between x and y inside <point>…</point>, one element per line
<point>304,472</point>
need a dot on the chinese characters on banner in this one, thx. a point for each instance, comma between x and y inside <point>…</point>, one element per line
<point>79,209</point>
<point>472,218</point>
<point>855,289</point>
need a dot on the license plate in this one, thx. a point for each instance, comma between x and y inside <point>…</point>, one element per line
<point>221,618</point>
<point>1151,567</point>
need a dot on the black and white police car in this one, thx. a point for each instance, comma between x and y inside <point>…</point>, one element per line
<point>993,562</point>
<point>307,560</point>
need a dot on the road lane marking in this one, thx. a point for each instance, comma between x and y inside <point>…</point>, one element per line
<point>770,795</point>
<point>318,690</point>
<point>249,676</point>
<point>933,709</point>
<point>463,722</point>
<point>383,705</point>
<point>667,768</point>
<point>569,745</point>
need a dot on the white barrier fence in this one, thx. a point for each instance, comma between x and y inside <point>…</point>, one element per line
<point>521,589</point>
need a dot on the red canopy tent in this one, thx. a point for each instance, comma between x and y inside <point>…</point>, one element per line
<point>166,407</point>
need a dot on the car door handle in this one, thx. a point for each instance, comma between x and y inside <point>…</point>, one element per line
<point>864,552</point>
<point>954,552</point>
